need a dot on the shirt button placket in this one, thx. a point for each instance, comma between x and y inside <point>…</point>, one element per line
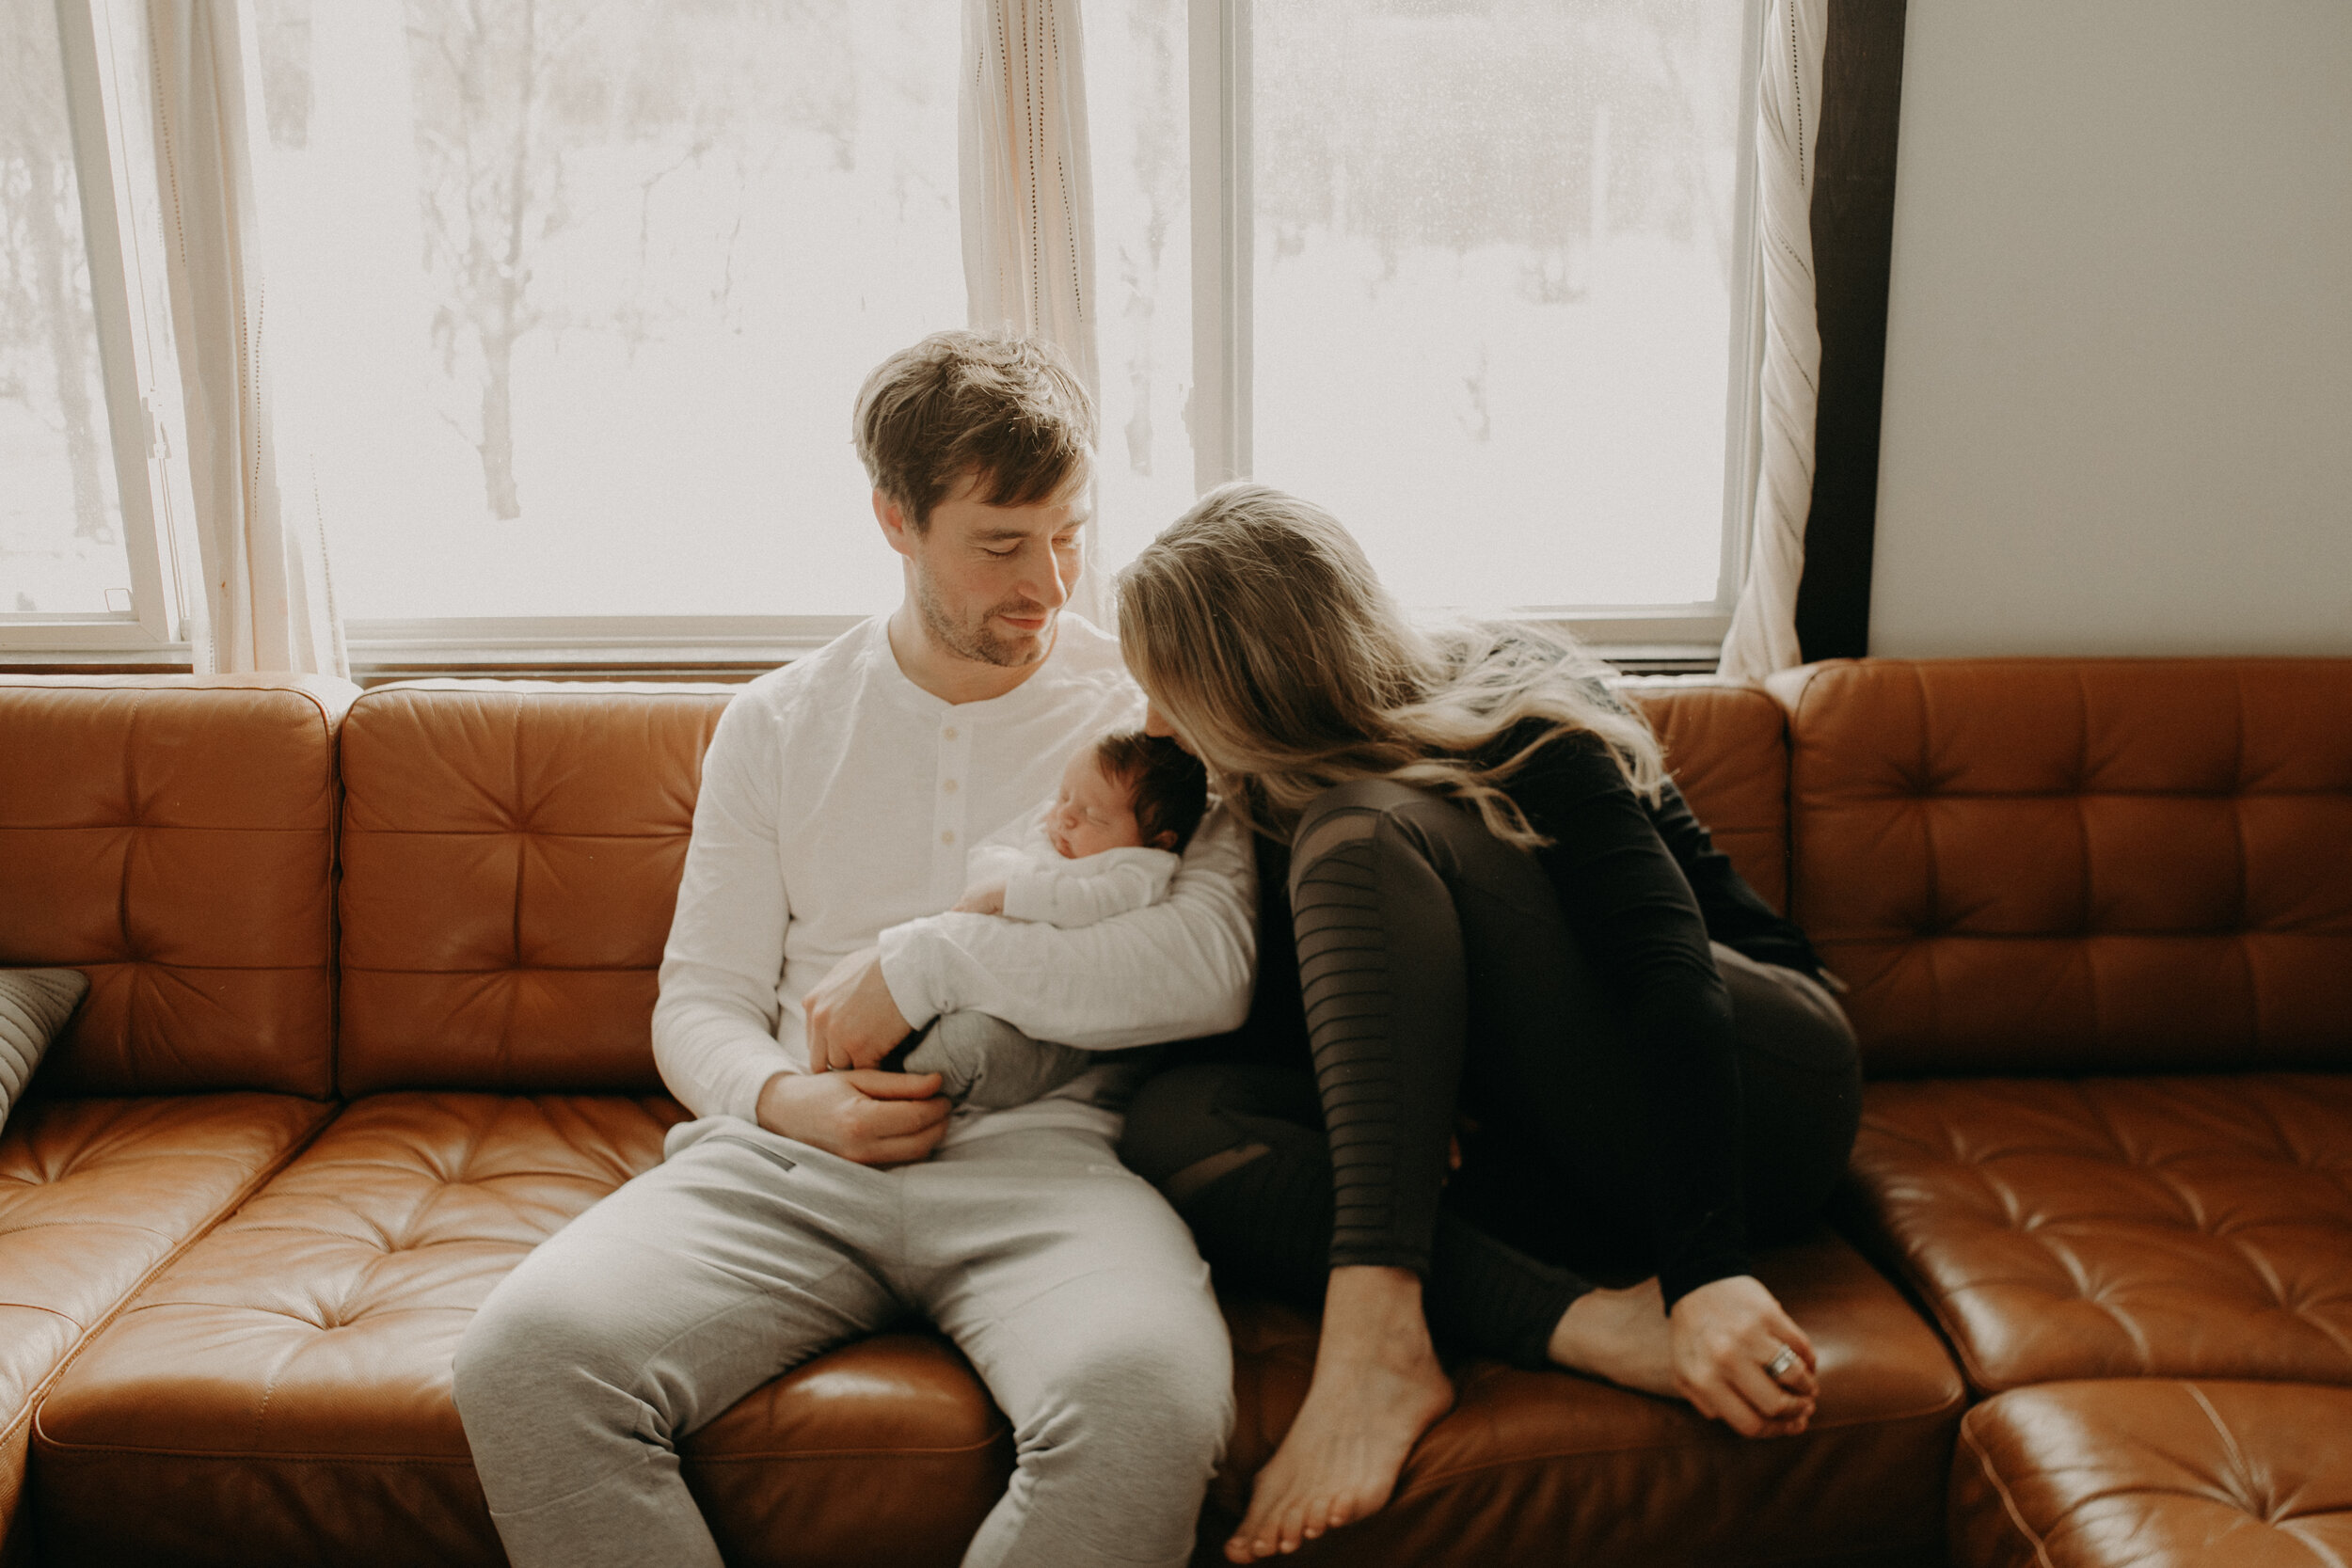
<point>947,831</point>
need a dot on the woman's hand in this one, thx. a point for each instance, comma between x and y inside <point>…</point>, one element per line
<point>1723,1335</point>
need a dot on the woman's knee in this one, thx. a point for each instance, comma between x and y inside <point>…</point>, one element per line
<point>1352,814</point>
<point>1800,1080</point>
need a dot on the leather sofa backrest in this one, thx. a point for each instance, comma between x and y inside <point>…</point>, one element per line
<point>1727,746</point>
<point>511,856</point>
<point>2079,865</point>
<point>173,838</point>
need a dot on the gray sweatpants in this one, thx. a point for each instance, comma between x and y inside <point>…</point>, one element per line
<point>1071,1285</point>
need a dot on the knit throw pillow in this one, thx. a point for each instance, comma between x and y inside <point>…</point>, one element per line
<point>34,1006</point>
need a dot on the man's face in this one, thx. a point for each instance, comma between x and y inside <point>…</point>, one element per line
<point>990,581</point>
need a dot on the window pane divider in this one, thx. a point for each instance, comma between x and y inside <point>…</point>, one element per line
<point>95,107</point>
<point>1221,240</point>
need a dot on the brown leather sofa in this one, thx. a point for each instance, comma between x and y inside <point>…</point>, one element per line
<point>371,982</point>
<point>2097,917</point>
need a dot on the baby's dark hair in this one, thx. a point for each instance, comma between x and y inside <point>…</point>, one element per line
<point>1171,786</point>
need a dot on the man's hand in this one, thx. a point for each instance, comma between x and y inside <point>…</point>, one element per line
<point>1723,1336</point>
<point>853,1020</point>
<point>982,898</point>
<point>875,1118</point>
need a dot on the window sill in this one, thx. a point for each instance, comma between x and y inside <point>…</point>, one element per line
<point>739,648</point>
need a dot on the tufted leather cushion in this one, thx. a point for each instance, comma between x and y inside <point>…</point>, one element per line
<point>171,838</point>
<point>2087,865</point>
<point>1545,1467</point>
<point>1727,746</point>
<point>2164,1227</point>
<point>281,1394</point>
<point>94,1195</point>
<point>511,856</point>
<point>2155,1474</point>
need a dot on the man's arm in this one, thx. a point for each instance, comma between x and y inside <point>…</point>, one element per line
<point>1181,968</point>
<point>714,1025</point>
<point>714,1028</point>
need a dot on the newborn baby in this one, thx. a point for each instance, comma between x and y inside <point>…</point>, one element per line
<point>1107,843</point>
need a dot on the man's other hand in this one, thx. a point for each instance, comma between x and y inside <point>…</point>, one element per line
<point>875,1118</point>
<point>852,1020</point>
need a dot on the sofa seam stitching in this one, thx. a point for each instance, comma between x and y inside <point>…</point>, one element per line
<point>38,1399</point>
<point>2009,1503</point>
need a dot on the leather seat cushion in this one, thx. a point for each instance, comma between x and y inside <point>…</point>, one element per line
<point>173,837</point>
<point>1544,1467</point>
<point>2154,1471</point>
<point>96,1194</point>
<point>2123,1227</point>
<point>281,1394</point>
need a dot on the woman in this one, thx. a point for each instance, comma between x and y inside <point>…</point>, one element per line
<point>1547,1030</point>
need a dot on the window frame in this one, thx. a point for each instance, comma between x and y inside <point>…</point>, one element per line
<point>136,366</point>
<point>142,406</point>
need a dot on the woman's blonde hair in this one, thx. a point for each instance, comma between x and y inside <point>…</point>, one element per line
<point>1264,638</point>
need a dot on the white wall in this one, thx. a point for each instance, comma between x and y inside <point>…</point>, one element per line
<point>2119,359</point>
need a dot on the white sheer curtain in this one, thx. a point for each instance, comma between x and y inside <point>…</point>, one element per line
<point>1763,635</point>
<point>1027,194</point>
<point>268,602</point>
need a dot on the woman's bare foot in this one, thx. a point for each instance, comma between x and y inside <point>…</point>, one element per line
<point>1622,1336</point>
<point>1377,1387</point>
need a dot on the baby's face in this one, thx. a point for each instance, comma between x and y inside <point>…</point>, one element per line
<point>1093,812</point>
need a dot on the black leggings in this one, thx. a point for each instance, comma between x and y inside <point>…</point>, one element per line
<point>1445,995</point>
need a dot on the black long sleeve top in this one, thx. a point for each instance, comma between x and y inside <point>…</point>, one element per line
<point>1645,891</point>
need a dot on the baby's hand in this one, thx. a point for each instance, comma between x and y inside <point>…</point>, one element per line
<point>982,898</point>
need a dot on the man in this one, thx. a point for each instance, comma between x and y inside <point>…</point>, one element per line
<point>808,1206</point>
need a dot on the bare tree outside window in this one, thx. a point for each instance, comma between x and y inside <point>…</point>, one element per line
<point>510,94</point>
<point>647,240</point>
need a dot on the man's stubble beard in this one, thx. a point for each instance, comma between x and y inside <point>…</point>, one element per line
<point>977,643</point>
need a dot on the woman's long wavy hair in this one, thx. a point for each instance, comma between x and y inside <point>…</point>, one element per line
<point>1262,637</point>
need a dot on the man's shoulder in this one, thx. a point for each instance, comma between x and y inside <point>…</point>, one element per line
<point>838,663</point>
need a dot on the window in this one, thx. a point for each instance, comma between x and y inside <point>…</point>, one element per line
<point>83,561</point>
<point>570,300</point>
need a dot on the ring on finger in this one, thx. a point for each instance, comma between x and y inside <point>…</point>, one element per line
<point>1779,1365</point>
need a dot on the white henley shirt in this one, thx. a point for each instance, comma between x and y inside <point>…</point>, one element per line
<point>839,802</point>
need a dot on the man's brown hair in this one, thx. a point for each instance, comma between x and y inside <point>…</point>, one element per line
<point>1008,409</point>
